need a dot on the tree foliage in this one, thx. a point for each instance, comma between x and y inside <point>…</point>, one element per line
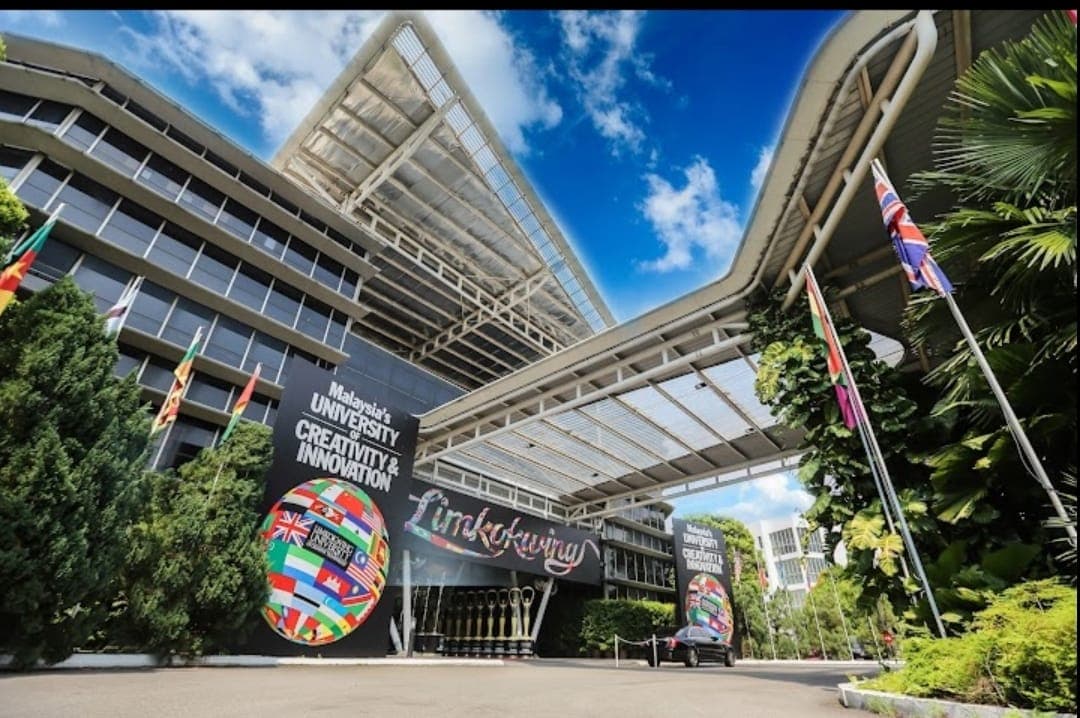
<point>71,452</point>
<point>13,216</point>
<point>196,576</point>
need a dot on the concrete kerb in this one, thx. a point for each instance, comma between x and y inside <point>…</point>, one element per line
<point>892,704</point>
<point>101,661</point>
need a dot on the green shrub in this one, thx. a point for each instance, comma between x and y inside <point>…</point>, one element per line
<point>1021,651</point>
<point>630,620</point>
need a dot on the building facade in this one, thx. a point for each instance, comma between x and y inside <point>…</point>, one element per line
<point>794,556</point>
<point>638,554</point>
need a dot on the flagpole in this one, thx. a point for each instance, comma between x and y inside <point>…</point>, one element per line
<point>881,491</point>
<point>765,606</point>
<point>1026,449</point>
<point>813,607</point>
<point>890,490</point>
<point>840,610</point>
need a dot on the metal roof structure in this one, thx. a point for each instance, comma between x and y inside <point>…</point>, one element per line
<point>663,405</point>
<point>475,278</point>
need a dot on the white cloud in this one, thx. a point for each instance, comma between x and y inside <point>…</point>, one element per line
<point>770,497</point>
<point>600,49</point>
<point>276,64</point>
<point>757,177</point>
<point>693,216</point>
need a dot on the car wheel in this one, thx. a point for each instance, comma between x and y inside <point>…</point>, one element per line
<point>729,659</point>
<point>691,658</point>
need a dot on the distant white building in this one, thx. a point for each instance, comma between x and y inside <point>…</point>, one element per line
<point>787,566</point>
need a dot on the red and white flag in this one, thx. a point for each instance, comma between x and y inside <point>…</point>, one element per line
<point>114,318</point>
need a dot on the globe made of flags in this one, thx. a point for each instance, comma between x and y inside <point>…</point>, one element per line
<point>708,606</point>
<point>328,555</point>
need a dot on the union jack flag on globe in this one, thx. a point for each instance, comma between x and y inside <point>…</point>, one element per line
<point>708,606</point>
<point>329,556</point>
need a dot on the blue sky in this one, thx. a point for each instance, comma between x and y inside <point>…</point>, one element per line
<point>645,133</point>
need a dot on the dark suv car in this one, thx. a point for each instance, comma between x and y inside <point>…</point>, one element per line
<point>691,645</point>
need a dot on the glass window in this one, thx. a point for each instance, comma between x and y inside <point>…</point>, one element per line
<point>293,354</point>
<point>49,114</point>
<point>84,131</point>
<point>312,221</point>
<point>202,199</point>
<point>150,308</point>
<point>284,204</point>
<point>314,317</point>
<point>256,408</point>
<point>158,374</point>
<point>270,238</point>
<point>42,182</point>
<point>214,269</point>
<point>111,93</point>
<point>146,116</point>
<point>271,414</point>
<point>163,177</point>
<point>300,256</point>
<point>186,440</point>
<point>102,280</point>
<point>268,351</point>
<point>237,219</point>
<point>283,303</point>
<point>55,259</point>
<point>208,391</point>
<point>228,342</point>
<point>186,318</point>
<point>87,203</point>
<point>184,140</point>
<point>120,151</point>
<point>129,361</point>
<point>328,272</point>
<point>250,287</point>
<point>348,284</point>
<point>221,163</point>
<point>254,184</point>
<point>14,106</point>
<point>131,227</point>
<point>174,249</point>
<point>336,335</point>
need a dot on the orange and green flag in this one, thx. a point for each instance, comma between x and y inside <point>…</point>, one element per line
<point>835,365</point>
<point>19,262</point>
<point>241,404</point>
<point>182,373</point>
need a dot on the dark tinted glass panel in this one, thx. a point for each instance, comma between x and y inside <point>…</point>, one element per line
<point>158,374</point>
<point>310,219</point>
<point>314,316</point>
<point>213,269</point>
<point>283,304</point>
<point>272,413</point>
<point>184,140</point>
<point>237,219</point>
<point>186,317</point>
<point>102,280</point>
<point>255,184</point>
<point>209,391</point>
<point>348,284</point>
<point>163,177</point>
<point>229,341</point>
<point>328,272</point>
<point>174,249</point>
<point>250,287</point>
<point>131,227</point>
<point>284,203</point>
<point>55,259</point>
<point>188,437</point>
<point>49,114</point>
<point>130,360</point>
<point>268,351</point>
<point>113,95</point>
<point>150,307</point>
<point>338,237</point>
<point>270,238</point>
<point>222,164</point>
<point>202,199</point>
<point>84,131</point>
<point>256,408</point>
<point>293,354</point>
<point>41,183</point>
<point>87,203</point>
<point>336,333</point>
<point>11,161</point>
<point>146,116</point>
<point>120,151</point>
<point>14,106</point>
<point>300,256</point>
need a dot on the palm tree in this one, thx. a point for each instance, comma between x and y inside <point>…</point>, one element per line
<point>1006,150</point>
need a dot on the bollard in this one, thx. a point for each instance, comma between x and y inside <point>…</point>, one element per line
<point>655,658</point>
<point>616,650</point>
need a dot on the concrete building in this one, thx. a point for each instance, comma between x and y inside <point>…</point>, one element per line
<point>638,554</point>
<point>793,555</point>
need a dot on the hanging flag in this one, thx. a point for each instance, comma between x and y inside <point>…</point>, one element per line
<point>114,318</point>
<point>171,406</point>
<point>738,566</point>
<point>824,330</point>
<point>1072,15</point>
<point>763,580</point>
<point>241,404</point>
<point>19,261</point>
<point>911,246</point>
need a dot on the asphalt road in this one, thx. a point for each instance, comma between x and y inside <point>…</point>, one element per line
<point>541,688</point>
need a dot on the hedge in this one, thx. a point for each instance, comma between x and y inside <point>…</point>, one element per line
<point>630,620</point>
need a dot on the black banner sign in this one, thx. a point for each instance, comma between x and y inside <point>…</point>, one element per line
<point>336,498</point>
<point>474,530</point>
<point>703,579</point>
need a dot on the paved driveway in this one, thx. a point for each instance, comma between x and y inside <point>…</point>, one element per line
<point>545,688</point>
